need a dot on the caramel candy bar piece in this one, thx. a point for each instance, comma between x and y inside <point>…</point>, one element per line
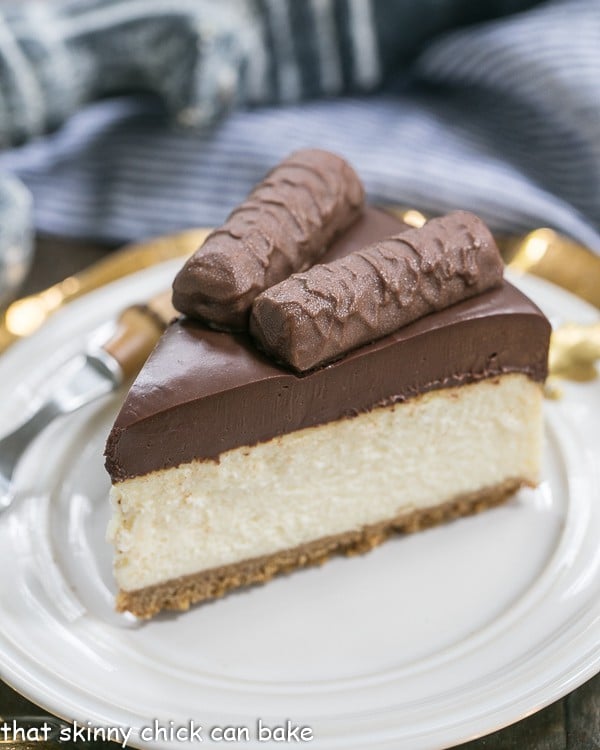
<point>314,317</point>
<point>285,225</point>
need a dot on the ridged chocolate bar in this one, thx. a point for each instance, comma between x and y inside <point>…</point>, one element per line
<point>314,317</point>
<point>284,226</point>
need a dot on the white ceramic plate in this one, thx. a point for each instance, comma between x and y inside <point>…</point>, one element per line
<point>425,642</point>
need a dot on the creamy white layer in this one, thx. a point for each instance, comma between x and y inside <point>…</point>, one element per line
<point>325,480</point>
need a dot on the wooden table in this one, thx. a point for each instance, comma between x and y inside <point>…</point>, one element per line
<point>572,723</point>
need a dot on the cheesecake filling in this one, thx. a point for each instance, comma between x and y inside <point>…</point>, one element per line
<point>338,477</point>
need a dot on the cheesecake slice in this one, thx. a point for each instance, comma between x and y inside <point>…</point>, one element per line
<point>229,468</point>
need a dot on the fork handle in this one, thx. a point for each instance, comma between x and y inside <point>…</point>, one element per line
<point>138,329</point>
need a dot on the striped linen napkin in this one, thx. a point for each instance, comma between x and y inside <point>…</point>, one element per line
<point>169,112</point>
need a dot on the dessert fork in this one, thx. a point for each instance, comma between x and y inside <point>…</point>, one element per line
<point>87,378</point>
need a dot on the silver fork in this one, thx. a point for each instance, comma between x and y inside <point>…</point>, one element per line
<point>87,378</point>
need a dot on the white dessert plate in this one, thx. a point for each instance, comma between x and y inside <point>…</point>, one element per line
<point>428,641</point>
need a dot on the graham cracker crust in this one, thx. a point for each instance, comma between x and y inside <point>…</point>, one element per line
<point>181,593</point>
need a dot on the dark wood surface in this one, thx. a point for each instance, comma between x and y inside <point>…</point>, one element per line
<point>572,723</point>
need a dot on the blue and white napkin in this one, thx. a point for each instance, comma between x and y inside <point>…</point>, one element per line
<point>163,114</point>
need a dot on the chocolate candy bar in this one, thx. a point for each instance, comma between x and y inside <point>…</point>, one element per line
<point>314,317</point>
<point>285,225</point>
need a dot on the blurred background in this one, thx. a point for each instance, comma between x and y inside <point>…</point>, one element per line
<point>127,119</point>
<point>121,120</point>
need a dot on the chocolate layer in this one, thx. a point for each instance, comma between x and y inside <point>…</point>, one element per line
<point>203,392</point>
<point>285,225</point>
<point>317,316</point>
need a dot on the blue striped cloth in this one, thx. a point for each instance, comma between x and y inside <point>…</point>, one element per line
<point>438,104</point>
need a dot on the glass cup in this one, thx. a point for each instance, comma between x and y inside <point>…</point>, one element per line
<point>16,236</point>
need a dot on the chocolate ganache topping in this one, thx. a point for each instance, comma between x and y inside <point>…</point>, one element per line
<point>314,317</point>
<point>203,392</point>
<point>285,225</point>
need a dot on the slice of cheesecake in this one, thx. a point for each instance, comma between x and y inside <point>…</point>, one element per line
<point>228,468</point>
